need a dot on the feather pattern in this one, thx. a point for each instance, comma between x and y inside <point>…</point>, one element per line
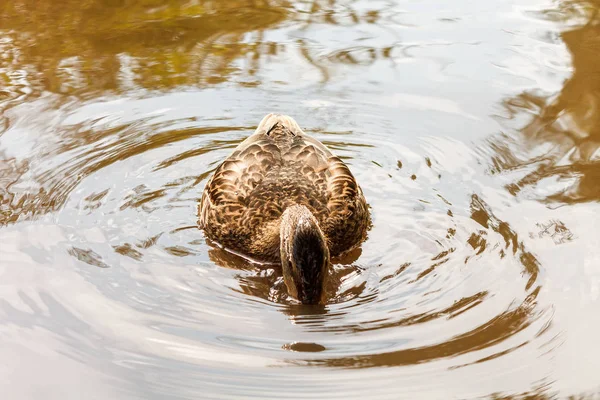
<point>276,167</point>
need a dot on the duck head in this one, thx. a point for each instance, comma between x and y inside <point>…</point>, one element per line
<point>304,255</point>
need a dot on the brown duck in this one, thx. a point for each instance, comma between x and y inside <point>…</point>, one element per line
<point>282,196</point>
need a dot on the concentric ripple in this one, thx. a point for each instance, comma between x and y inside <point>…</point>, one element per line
<point>471,128</point>
<point>441,280</point>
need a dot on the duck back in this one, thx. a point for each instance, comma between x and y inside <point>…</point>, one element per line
<point>276,167</point>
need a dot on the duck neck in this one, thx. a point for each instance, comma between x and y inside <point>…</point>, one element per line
<point>304,254</point>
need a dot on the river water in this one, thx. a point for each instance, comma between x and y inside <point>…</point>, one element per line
<point>472,127</point>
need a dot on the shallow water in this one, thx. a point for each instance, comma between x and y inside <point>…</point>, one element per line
<point>472,127</point>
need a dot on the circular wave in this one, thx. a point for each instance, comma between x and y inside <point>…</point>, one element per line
<point>441,280</point>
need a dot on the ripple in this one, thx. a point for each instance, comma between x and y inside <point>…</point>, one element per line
<point>435,268</point>
<point>441,280</point>
<point>472,283</point>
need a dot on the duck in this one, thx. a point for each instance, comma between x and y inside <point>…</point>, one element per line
<point>283,197</point>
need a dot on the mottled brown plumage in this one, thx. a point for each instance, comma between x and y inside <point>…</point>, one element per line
<point>278,167</point>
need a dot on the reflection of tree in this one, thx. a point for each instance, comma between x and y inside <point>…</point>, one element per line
<point>101,44</point>
<point>86,47</point>
<point>568,124</point>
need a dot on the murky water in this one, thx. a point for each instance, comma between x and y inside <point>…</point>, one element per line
<point>473,128</point>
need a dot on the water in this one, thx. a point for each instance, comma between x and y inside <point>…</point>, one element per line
<point>472,127</point>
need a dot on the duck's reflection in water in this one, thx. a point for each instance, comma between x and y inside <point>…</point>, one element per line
<point>266,282</point>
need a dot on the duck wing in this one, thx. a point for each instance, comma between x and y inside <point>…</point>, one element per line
<point>226,193</point>
<point>348,218</point>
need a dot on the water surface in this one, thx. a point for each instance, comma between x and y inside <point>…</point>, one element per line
<point>472,127</point>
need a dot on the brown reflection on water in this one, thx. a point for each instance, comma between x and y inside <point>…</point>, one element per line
<point>84,49</point>
<point>488,334</point>
<point>565,130</point>
<point>75,47</point>
<point>98,46</point>
<point>99,213</point>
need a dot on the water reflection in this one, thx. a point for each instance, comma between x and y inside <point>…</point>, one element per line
<point>266,282</point>
<point>564,132</point>
<point>115,112</point>
<point>74,48</point>
<point>99,46</point>
<point>490,333</point>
